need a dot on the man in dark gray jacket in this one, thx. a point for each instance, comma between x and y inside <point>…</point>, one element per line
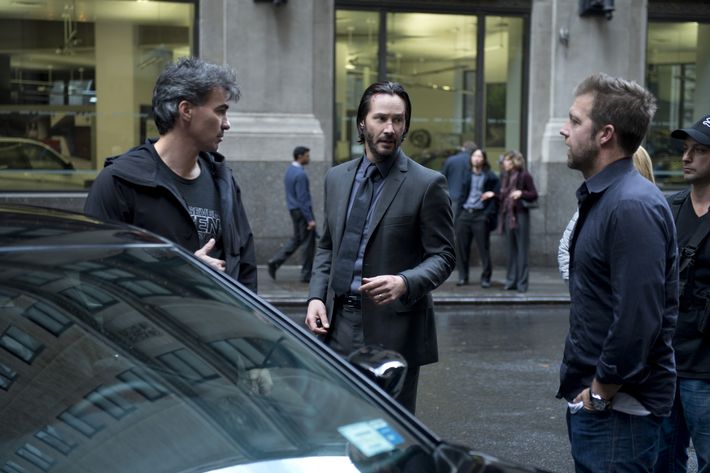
<point>372,282</point>
<point>178,186</point>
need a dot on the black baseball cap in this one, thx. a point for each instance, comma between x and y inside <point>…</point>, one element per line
<point>700,132</point>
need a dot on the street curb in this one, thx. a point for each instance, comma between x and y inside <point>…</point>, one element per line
<point>287,301</point>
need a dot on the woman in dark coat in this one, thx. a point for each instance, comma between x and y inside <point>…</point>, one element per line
<point>516,192</point>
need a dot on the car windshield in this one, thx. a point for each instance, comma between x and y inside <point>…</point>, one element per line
<point>138,359</point>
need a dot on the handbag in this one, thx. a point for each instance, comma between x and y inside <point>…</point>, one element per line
<point>529,204</point>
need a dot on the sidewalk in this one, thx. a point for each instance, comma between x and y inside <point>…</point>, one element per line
<point>545,287</point>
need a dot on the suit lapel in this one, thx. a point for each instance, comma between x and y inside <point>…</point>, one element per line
<point>343,198</point>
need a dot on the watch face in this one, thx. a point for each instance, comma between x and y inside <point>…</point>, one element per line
<point>598,403</point>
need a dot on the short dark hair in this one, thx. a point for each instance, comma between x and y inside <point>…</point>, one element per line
<point>385,87</point>
<point>299,151</point>
<point>622,103</point>
<point>189,79</point>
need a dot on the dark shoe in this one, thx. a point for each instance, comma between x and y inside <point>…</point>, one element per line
<point>272,270</point>
<point>462,282</point>
<point>485,284</point>
<point>509,287</point>
<point>305,280</point>
<point>522,290</point>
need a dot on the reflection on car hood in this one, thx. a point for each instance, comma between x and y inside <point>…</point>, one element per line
<point>295,465</point>
<point>24,226</point>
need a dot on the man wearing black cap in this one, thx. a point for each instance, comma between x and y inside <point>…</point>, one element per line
<point>690,417</point>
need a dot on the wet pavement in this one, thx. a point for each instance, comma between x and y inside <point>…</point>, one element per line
<point>545,287</point>
<point>495,383</point>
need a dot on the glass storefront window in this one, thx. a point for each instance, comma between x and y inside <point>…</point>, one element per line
<point>76,80</point>
<point>356,53</point>
<point>436,57</point>
<point>503,85</point>
<point>676,69</point>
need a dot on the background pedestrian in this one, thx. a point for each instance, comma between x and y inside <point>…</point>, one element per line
<point>298,202</point>
<point>517,192</point>
<point>477,208</point>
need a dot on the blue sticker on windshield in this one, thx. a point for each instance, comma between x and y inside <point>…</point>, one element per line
<point>371,437</point>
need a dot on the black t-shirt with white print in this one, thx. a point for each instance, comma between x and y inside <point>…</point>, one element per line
<point>202,199</point>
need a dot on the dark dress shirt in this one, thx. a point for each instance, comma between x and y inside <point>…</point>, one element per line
<point>384,169</point>
<point>624,290</point>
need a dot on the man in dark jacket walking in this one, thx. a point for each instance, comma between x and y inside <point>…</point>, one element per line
<point>298,201</point>
<point>178,186</point>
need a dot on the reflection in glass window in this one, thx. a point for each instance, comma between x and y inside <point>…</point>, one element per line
<point>211,375</point>
<point>81,420</point>
<point>503,85</point>
<point>188,365</point>
<point>89,297</point>
<point>143,288</point>
<point>433,56</point>
<point>356,53</point>
<point>7,377</point>
<point>21,344</point>
<point>48,317</point>
<point>673,53</point>
<point>36,277</point>
<point>36,456</point>
<point>109,401</point>
<point>111,274</point>
<point>64,110</point>
<point>460,90</point>
<point>54,438</point>
<point>143,383</point>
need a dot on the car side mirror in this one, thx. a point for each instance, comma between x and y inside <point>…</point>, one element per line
<point>386,368</point>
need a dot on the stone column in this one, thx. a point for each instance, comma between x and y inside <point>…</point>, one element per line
<point>565,48</point>
<point>283,57</point>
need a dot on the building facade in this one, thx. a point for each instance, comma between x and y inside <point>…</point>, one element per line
<point>76,80</point>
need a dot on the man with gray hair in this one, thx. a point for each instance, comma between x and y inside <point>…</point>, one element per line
<point>618,373</point>
<point>178,186</point>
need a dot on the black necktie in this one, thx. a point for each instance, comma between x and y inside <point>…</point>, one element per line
<point>350,244</point>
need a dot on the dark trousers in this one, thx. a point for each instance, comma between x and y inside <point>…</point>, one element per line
<point>517,243</point>
<point>472,225</point>
<point>346,335</point>
<point>301,236</point>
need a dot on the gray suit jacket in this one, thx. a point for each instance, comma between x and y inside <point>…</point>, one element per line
<point>412,234</point>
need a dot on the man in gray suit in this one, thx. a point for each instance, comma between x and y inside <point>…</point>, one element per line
<point>372,280</point>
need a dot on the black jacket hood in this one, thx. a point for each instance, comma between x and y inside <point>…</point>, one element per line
<point>141,165</point>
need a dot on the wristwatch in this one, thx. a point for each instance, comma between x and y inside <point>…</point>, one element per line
<point>598,403</point>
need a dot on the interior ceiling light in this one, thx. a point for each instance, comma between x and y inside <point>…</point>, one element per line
<point>71,33</point>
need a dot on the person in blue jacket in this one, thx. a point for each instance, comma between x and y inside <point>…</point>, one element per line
<point>298,201</point>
